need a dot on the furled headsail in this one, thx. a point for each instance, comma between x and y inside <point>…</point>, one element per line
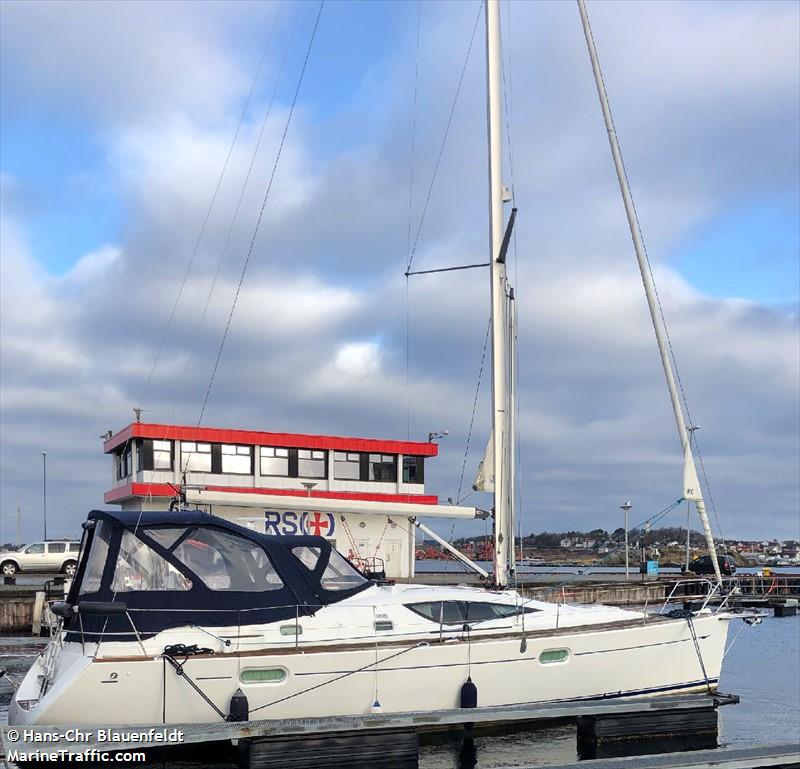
<point>484,479</point>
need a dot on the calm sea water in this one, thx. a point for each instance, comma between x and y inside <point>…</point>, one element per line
<point>762,667</point>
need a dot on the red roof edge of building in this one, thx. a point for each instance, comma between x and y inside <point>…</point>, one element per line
<point>130,490</point>
<point>259,438</point>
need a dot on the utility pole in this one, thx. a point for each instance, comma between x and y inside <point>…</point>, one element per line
<point>44,492</point>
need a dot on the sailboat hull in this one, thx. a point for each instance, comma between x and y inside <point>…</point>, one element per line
<point>656,656</point>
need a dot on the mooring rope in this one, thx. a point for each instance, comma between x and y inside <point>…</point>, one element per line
<point>186,652</point>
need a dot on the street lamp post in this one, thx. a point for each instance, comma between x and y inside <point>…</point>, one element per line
<point>44,492</point>
<point>625,508</point>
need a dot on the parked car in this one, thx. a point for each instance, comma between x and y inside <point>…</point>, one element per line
<point>59,555</point>
<point>704,565</point>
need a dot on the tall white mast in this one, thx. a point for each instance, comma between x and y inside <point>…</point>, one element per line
<point>691,486</point>
<point>503,526</point>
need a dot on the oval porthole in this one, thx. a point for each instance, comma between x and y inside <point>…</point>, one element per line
<point>262,675</point>
<point>553,655</point>
<point>291,630</point>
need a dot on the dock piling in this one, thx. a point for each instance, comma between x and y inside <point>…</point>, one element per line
<point>388,749</point>
<point>630,734</point>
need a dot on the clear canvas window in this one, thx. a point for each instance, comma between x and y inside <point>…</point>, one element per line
<point>96,562</point>
<point>139,567</point>
<point>346,466</point>
<point>340,574</point>
<point>225,561</point>
<point>308,556</point>
<point>236,459</point>
<point>274,461</point>
<point>196,457</point>
<point>310,463</point>
<point>383,467</point>
<point>167,536</point>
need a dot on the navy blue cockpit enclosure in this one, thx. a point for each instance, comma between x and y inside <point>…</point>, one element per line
<point>160,570</point>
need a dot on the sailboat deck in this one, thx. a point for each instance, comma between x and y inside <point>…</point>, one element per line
<point>434,638</point>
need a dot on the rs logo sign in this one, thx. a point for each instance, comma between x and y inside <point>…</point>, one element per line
<point>318,524</point>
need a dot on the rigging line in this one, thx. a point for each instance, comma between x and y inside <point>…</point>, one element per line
<point>228,236</point>
<point>507,107</point>
<point>246,181</point>
<point>654,518</point>
<point>408,362</point>
<point>339,678</point>
<point>444,139</point>
<point>413,132</point>
<point>261,212</point>
<point>206,218</point>
<point>508,89</point>
<point>474,407</point>
<point>509,111</point>
<point>234,140</point>
<point>410,209</point>
<point>517,428</point>
<point>649,266</point>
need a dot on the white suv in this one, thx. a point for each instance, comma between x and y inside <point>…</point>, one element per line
<point>41,556</point>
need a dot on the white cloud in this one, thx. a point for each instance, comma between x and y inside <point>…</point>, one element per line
<point>358,359</point>
<point>317,341</point>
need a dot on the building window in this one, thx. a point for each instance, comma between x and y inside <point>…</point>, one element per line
<point>237,460</point>
<point>162,455</point>
<point>124,462</point>
<point>310,464</point>
<point>383,467</point>
<point>413,470</point>
<point>346,467</point>
<point>274,461</point>
<point>153,455</point>
<point>196,457</point>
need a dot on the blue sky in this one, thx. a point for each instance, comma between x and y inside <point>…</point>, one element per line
<point>114,124</point>
<point>70,199</point>
<point>749,251</point>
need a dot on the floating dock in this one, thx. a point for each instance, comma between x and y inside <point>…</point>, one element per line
<point>91,737</point>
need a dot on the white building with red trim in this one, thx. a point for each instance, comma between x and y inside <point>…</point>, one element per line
<point>363,494</point>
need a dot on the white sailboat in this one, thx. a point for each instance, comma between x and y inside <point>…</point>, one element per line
<point>180,617</point>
